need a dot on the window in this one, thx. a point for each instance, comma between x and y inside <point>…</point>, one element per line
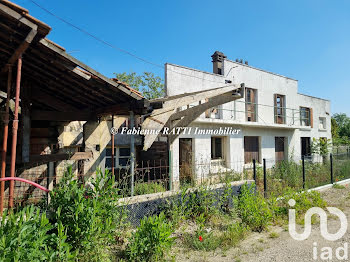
<point>217,151</point>
<point>108,164</point>
<point>214,112</point>
<point>322,123</point>
<point>251,149</point>
<point>121,157</point>
<point>305,116</point>
<point>250,104</point>
<point>279,105</point>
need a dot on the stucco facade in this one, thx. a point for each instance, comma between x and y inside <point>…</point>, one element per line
<point>266,86</point>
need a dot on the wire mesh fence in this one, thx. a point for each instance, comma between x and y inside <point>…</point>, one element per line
<point>308,172</point>
<point>271,176</point>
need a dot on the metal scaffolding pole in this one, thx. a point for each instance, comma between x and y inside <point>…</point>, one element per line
<point>14,131</point>
<point>4,143</point>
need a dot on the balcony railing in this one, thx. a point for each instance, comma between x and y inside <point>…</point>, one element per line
<point>267,114</point>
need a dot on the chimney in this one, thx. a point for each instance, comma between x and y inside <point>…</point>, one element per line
<point>218,58</point>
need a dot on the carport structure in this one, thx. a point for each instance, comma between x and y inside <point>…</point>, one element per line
<point>44,86</point>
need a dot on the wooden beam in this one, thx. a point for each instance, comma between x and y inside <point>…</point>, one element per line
<point>125,90</point>
<point>10,12</point>
<point>189,115</point>
<point>59,157</point>
<point>124,108</point>
<point>22,48</point>
<point>62,116</point>
<point>161,117</point>
<point>26,123</point>
<point>53,102</point>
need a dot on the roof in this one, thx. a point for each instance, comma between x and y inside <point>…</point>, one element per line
<point>54,75</point>
<point>262,70</point>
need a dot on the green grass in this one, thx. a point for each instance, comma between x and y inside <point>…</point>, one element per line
<point>143,188</point>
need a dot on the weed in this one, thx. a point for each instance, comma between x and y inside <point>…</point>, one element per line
<point>234,234</point>
<point>152,239</point>
<point>142,188</point>
<point>337,186</point>
<point>274,235</point>
<point>253,209</point>
<point>25,236</point>
<point>90,216</point>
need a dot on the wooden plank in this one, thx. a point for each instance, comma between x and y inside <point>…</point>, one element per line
<point>10,12</point>
<point>60,157</point>
<point>51,101</point>
<point>62,116</point>
<point>125,90</point>
<point>23,47</point>
<point>25,112</point>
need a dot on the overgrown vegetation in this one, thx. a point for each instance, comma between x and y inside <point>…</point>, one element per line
<point>143,188</point>
<point>85,222</point>
<point>152,240</point>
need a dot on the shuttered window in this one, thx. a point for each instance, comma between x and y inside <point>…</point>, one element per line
<point>251,149</point>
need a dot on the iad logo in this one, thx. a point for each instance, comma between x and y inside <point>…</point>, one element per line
<point>323,222</point>
<point>326,252</point>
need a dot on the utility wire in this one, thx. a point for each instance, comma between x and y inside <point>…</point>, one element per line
<point>113,46</point>
<point>95,37</point>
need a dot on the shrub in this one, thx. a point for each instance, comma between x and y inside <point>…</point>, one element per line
<point>90,216</point>
<point>226,197</point>
<point>201,201</point>
<point>25,236</point>
<point>152,239</point>
<point>253,209</point>
<point>303,201</point>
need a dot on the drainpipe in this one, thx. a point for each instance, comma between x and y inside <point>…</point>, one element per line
<point>14,131</point>
<point>4,143</point>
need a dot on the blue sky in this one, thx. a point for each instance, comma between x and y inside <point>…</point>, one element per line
<point>308,40</point>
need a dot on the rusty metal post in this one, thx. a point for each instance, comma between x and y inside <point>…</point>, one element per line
<point>132,153</point>
<point>14,131</point>
<point>113,145</point>
<point>4,143</point>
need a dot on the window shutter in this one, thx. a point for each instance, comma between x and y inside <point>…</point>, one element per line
<point>275,107</point>
<point>311,118</point>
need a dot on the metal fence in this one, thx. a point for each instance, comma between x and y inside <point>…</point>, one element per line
<point>271,176</point>
<point>309,172</point>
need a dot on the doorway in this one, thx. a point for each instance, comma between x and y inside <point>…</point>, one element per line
<point>280,149</point>
<point>185,160</point>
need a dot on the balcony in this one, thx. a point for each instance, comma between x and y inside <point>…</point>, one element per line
<point>257,115</point>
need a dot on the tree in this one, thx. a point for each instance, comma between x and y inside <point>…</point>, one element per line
<point>343,122</point>
<point>334,128</point>
<point>148,84</point>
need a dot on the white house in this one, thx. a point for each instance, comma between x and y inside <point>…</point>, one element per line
<point>275,122</point>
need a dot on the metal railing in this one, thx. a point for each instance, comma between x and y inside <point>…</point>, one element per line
<point>254,112</point>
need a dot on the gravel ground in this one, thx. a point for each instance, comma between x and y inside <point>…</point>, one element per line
<point>261,247</point>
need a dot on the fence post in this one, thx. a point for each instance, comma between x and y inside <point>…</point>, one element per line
<point>331,159</point>
<point>254,170</point>
<point>303,162</point>
<point>132,154</point>
<point>265,182</point>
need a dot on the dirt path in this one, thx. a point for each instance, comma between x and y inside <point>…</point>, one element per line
<point>282,247</point>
